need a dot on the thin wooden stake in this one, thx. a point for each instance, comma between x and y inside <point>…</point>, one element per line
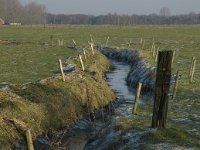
<point>173,58</point>
<point>62,42</point>
<point>84,53</point>
<point>91,39</point>
<point>175,85</point>
<point>193,70</point>
<point>154,51</point>
<point>92,48</point>
<point>152,47</point>
<point>137,97</point>
<point>74,43</point>
<point>141,41</point>
<point>143,44</point>
<point>107,40</point>
<point>58,42</point>
<point>80,57</point>
<point>156,55</point>
<point>191,67</point>
<point>29,139</point>
<point>61,70</point>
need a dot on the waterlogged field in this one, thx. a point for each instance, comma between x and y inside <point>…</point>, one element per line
<point>30,56</point>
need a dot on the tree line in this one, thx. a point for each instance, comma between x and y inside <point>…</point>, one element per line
<point>115,19</point>
<point>12,11</point>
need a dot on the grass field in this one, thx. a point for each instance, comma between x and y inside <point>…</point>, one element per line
<point>31,57</point>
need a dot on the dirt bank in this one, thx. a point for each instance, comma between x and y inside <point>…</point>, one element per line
<point>51,103</point>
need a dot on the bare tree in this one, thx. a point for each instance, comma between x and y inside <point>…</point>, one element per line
<point>165,12</point>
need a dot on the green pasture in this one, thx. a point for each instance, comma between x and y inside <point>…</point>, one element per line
<point>29,55</point>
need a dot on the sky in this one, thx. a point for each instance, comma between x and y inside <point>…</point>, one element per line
<point>98,7</point>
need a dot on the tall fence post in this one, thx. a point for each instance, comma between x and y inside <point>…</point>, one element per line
<point>61,70</point>
<point>161,99</point>
<point>137,97</point>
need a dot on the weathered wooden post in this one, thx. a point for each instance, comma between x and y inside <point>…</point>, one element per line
<point>137,97</point>
<point>61,70</point>
<point>29,139</point>
<point>175,85</point>
<point>80,57</point>
<point>193,70</point>
<point>161,99</point>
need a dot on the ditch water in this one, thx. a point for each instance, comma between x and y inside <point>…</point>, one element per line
<point>84,133</point>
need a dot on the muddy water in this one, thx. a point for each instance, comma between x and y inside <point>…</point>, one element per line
<point>85,130</point>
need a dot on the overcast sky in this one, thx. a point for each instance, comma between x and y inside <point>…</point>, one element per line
<point>97,7</point>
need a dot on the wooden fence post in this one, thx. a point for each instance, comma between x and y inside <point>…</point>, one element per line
<point>58,42</point>
<point>62,42</point>
<point>51,38</point>
<point>91,39</point>
<point>29,139</point>
<point>152,47</point>
<point>92,48</point>
<point>154,51</point>
<point>163,77</point>
<point>137,97</point>
<point>175,85</point>
<point>74,43</point>
<point>143,45</point>
<point>84,53</point>
<point>107,40</point>
<point>173,58</point>
<point>80,57</point>
<point>61,70</point>
<point>141,41</point>
<point>156,55</point>
<point>191,67</point>
<point>193,70</point>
